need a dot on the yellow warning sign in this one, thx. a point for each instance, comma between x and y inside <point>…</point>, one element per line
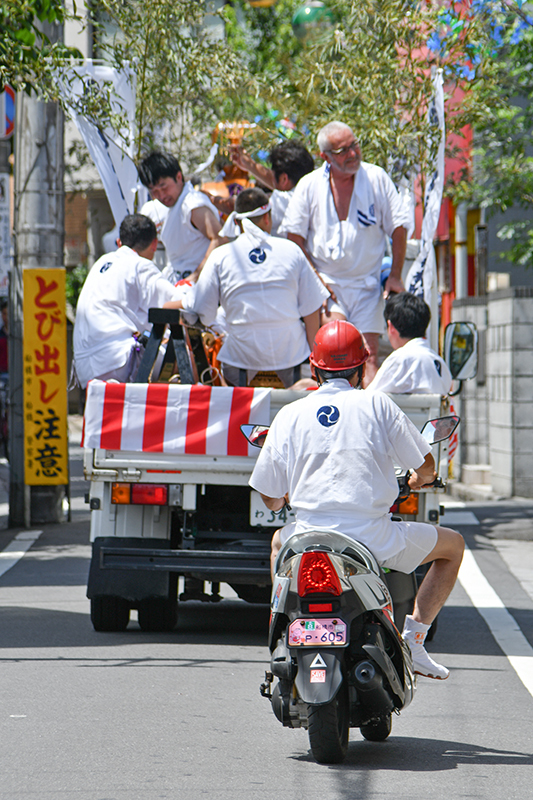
<point>45,377</point>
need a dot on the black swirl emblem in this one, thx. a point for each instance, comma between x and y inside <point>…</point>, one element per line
<point>257,255</point>
<point>328,416</point>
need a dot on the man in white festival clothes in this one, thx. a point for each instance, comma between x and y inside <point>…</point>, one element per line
<point>341,215</point>
<point>269,293</point>
<point>332,454</point>
<point>114,301</point>
<point>290,162</point>
<point>413,367</point>
<point>188,223</point>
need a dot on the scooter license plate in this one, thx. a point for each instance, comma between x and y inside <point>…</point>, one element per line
<point>313,632</point>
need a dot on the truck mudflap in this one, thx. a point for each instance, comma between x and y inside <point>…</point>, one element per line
<point>134,557</point>
<point>133,586</point>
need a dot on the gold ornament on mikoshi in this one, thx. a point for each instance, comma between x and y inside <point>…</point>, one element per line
<point>262,3</point>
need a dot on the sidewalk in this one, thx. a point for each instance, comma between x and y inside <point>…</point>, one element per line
<point>78,485</point>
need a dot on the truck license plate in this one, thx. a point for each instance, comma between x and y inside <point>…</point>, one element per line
<point>313,632</point>
<point>260,514</point>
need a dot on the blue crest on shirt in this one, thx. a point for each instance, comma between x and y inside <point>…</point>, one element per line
<point>438,367</point>
<point>106,266</point>
<point>257,255</point>
<point>328,416</point>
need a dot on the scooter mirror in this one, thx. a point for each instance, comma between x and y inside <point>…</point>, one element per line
<point>255,434</point>
<point>437,430</point>
<point>460,350</point>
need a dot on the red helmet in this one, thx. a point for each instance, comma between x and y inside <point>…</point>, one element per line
<point>338,345</point>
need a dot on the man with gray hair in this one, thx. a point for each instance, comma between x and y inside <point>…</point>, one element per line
<point>340,215</point>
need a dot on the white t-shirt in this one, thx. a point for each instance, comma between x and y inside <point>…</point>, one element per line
<point>264,289</point>
<point>185,245</point>
<point>113,303</point>
<point>157,213</point>
<point>351,250</point>
<point>334,452</point>
<point>413,369</point>
<point>279,202</point>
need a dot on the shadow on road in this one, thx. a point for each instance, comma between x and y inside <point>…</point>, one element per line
<point>407,754</point>
<point>231,622</point>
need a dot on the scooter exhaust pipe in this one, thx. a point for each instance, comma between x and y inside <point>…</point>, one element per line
<point>372,694</point>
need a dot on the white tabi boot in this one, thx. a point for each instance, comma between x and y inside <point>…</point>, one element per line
<point>414,633</point>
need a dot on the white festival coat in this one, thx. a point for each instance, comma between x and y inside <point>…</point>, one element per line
<point>348,252</point>
<point>185,245</point>
<point>264,285</point>
<point>413,369</point>
<point>334,453</point>
<point>114,302</point>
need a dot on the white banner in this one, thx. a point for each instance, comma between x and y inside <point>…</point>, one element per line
<point>422,274</point>
<point>111,150</point>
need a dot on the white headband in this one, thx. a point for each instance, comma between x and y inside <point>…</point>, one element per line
<point>229,228</point>
<point>257,212</point>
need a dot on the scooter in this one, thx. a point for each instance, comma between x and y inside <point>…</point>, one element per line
<point>338,661</point>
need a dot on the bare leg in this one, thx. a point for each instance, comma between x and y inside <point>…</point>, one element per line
<point>436,586</point>
<point>371,366</point>
<point>276,547</point>
<point>440,579</point>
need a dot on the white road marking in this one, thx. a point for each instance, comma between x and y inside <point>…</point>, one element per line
<point>452,518</point>
<point>16,549</point>
<point>501,623</point>
<point>451,502</point>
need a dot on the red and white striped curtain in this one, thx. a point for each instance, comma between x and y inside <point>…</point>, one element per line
<point>163,418</point>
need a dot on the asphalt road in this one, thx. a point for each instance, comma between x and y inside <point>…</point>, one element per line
<point>135,716</point>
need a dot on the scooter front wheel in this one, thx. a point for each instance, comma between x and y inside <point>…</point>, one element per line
<point>329,729</point>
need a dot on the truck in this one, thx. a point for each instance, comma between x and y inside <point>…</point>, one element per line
<point>169,495</point>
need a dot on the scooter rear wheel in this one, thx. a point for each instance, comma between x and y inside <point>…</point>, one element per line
<point>328,728</point>
<point>377,731</point>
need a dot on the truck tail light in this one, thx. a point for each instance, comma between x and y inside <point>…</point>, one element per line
<point>149,494</point>
<point>121,493</point>
<point>317,574</point>
<point>144,494</point>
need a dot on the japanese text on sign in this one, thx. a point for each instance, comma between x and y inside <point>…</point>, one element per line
<point>45,377</point>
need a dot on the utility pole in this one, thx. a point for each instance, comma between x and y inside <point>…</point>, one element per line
<point>38,240</point>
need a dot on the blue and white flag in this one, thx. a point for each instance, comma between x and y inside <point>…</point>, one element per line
<point>422,274</point>
<point>111,150</point>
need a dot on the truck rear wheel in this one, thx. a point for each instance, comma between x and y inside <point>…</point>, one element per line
<point>251,593</point>
<point>158,614</point>
<point>109,613</point>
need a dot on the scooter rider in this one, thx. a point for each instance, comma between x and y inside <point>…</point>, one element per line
<point>333,454</point>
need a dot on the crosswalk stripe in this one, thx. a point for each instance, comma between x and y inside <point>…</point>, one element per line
<point>16,549</point>
<point>501,623</point>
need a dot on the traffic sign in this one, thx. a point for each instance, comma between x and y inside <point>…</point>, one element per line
<point>7,113</point>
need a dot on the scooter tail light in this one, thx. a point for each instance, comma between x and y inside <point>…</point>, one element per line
<point>317,575</point>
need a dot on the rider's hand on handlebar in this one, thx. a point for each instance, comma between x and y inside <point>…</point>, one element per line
<point>417,481</point>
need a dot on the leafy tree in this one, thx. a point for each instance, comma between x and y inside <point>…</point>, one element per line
<point>373,67</point>
<point>501,176</point>
<point>183,71</point>
<point>29,50</point>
